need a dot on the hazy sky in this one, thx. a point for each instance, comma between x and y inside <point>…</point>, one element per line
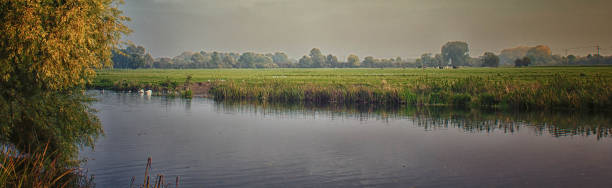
<point>380,28</point>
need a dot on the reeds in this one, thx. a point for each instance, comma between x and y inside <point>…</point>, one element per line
<point>160,180</point>
<point>38,169</point>
<point>559,92</point>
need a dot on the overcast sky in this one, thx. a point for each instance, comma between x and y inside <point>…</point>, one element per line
<point>380,28</point>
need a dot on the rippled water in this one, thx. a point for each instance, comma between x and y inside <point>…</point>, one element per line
<point>210,144</point>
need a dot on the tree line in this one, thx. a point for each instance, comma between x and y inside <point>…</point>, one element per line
<point>452,54</point>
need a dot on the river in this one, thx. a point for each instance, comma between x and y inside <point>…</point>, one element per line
<point>214,144</point>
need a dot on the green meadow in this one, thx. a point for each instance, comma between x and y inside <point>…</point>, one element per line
<point>533,87</point>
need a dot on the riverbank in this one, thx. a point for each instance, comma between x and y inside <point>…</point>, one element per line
<point>524,88</point>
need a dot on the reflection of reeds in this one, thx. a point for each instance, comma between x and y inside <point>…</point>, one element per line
<point>554,123</point>
<point>558,92</point>
<point>158,182</point>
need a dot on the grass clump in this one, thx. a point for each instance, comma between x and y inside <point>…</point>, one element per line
<point>39,169</point>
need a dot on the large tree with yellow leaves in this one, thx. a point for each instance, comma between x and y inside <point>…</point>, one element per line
<point>49,50</point>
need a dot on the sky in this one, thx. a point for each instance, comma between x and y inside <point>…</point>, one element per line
<point>379,28</point>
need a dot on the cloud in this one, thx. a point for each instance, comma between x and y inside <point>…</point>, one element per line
<point>383,28</point>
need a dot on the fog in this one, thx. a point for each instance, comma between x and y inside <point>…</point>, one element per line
<point>380,28</point>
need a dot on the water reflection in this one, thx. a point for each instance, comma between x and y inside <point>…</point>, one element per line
<point>554,123</point>
<point>212,144</point>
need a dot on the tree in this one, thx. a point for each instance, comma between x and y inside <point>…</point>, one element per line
<point>353,61</point>
<point>368,62</point>
<point>148,60</point>
<point>571,59</point>
<point>132,57</point>
<point>305,62</point>
<point>318,59</point>
<point>282,60</point>
<point>332,61</point>
<point>247,60</point>
<point>489,59</point>
<point>507,56</point>
<point>522,62</point>
<point>49,51</point>
<point>457,52</point>
<point>540,54</point>
<point>230,61</point>
<point>426,60</point>
<point>216,60</point>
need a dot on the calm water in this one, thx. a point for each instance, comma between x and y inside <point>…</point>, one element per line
<point>210,144</point>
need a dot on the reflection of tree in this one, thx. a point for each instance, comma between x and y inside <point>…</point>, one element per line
<point>556,124</point>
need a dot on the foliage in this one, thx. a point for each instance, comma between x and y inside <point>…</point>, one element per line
<point>428,61</point>
<point>540,55</point>
<point>453,54</point>
<point>526,61</point>
<point>353,61</point>
<point>507,56</point>
<point>132,57</point>
<point>489,59</point>
<point>457,52</point>
<point>50,50</point>
<point>53,45</point>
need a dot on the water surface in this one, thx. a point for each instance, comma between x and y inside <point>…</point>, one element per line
<point>211,144</point>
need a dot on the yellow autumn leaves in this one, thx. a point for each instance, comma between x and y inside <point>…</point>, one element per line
<point>57,44</point>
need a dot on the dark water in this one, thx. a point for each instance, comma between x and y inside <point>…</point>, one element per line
<point>210,144</point>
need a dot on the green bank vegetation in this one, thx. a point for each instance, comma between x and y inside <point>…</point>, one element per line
<point>523,88</point>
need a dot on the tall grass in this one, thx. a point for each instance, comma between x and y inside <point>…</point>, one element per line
<point>526,88</point>
<point>558,92</point>
<point>38,169</point>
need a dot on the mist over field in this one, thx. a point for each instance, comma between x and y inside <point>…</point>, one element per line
<point>379,28</point>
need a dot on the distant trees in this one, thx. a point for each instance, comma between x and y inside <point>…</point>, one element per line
<point>131,57</point>
<point>281,60</point>
<point>368,62</point>
<point>522,62</point>
<point>507,56</point>
<point>353,61</point>
<point>452,53</point>
<point>540,55</point>
<point>430,61</point>
<point>254,60</point>
<point>588,60</point>
<point>489,59</point>
<point>305,62</point>
<point>333,61</point>
<point>457,52</point>
<point>318,59</point>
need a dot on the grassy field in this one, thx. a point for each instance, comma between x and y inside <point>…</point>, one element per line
<point>534,87</point>
<point>395,77</point>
